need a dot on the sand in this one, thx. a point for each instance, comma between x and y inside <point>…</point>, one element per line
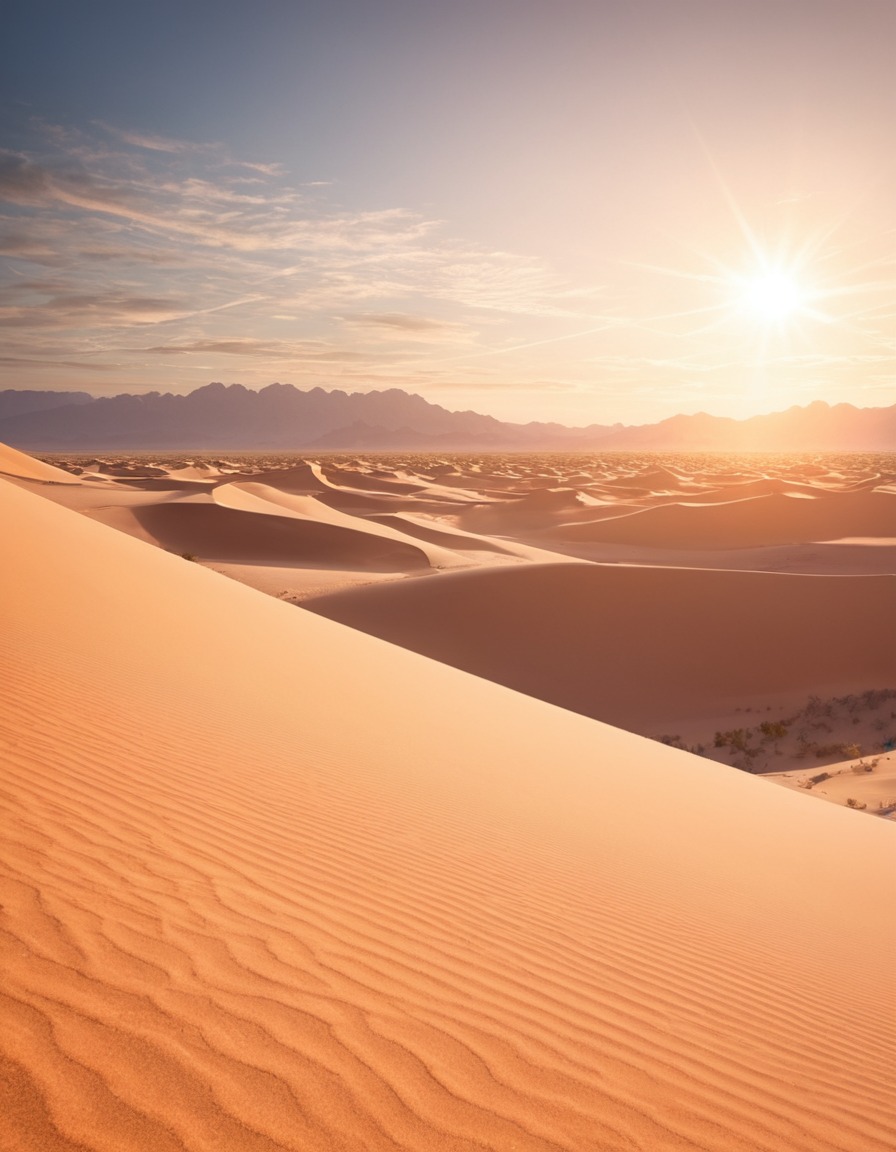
<point>19,466</point>
<point>272,883</point>
<point>641,647</point>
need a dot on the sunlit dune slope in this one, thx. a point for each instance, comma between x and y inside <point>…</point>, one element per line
<point>272,884</point>
<point>751,523</point>
<point>639,646</point>
<point>17,464</point>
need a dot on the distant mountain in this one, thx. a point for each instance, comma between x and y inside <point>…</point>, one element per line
<point>817,427</point>
<point>277,417</point>
<point>283,417</point>
<point>14,403</point>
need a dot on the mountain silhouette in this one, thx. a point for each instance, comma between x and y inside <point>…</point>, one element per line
<point>280,416</point>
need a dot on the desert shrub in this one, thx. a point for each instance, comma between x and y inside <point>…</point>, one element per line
<point>873,698</point>
<point>821,750</point>
<point>672,741</point>
<point>189,556</point>
<point>773,730</point>
<point>736,739</point>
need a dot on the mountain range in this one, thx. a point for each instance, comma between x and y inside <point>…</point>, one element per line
<point>282,417</point>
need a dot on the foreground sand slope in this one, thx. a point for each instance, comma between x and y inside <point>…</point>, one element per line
<point>19,465</point>
<point>272,884</point>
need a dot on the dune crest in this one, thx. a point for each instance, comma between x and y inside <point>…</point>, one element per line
<point>20,466</point>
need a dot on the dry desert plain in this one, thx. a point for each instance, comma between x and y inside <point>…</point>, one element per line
<point>424,882</point>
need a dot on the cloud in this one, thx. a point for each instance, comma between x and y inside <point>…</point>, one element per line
<point>258,349</point>
<point>154,143</point>
<point>148,200</point>
<point>405,325</point>
<point>32,361</point>
<point>228,255</point>
<point>21,180</point>
<point>60,309</point>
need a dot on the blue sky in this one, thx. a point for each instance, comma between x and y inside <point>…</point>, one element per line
<point>561,211</point>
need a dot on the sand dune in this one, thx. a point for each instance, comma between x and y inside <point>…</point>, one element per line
<point>266,500</point>
<point>539,510</point>
<point>212,532</point>
<point>651,480</point>
<point>354,489</point>
<point>367,482</point>
<point>484,550</point>
<point>750,523</point>
<point>640,647</point>
<point>437,533</point>
<point>303,478</point>
<point>16,464</point>
<point>274,884</point>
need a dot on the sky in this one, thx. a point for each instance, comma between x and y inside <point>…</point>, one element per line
<point>582,211</point>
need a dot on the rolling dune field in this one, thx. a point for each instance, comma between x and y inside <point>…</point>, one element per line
<point>270,882</point>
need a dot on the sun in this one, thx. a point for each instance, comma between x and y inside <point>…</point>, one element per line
<point>773,295</point>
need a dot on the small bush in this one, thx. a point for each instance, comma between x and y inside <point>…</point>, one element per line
<point>773,730</point>
<point>736,739</point>
<point>672,741</point>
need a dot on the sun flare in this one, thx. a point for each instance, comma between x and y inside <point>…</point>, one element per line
<point>773,295</point>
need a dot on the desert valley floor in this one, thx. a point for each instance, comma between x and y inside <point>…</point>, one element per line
<point>460,802</point>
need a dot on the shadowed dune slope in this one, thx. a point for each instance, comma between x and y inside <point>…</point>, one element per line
<point>271,884</point>
<point>752,523</point>
<point>213,532</point>
<point>436,533</point>
<point>633,646</point>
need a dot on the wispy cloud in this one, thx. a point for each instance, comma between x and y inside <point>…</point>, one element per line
<point>284,350</point>
<point>154,143</point>
<point>404,326</point>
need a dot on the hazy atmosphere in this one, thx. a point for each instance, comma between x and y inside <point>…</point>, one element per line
<point>576,212</point>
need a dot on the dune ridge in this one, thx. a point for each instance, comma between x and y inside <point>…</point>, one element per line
<point>774,518</point>
<point>272,884</point>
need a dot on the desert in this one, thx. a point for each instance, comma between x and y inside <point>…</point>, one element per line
<point>447,576</point>
<point>274,882</point>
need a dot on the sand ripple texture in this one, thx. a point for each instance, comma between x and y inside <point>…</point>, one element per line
<point>268,883</point>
